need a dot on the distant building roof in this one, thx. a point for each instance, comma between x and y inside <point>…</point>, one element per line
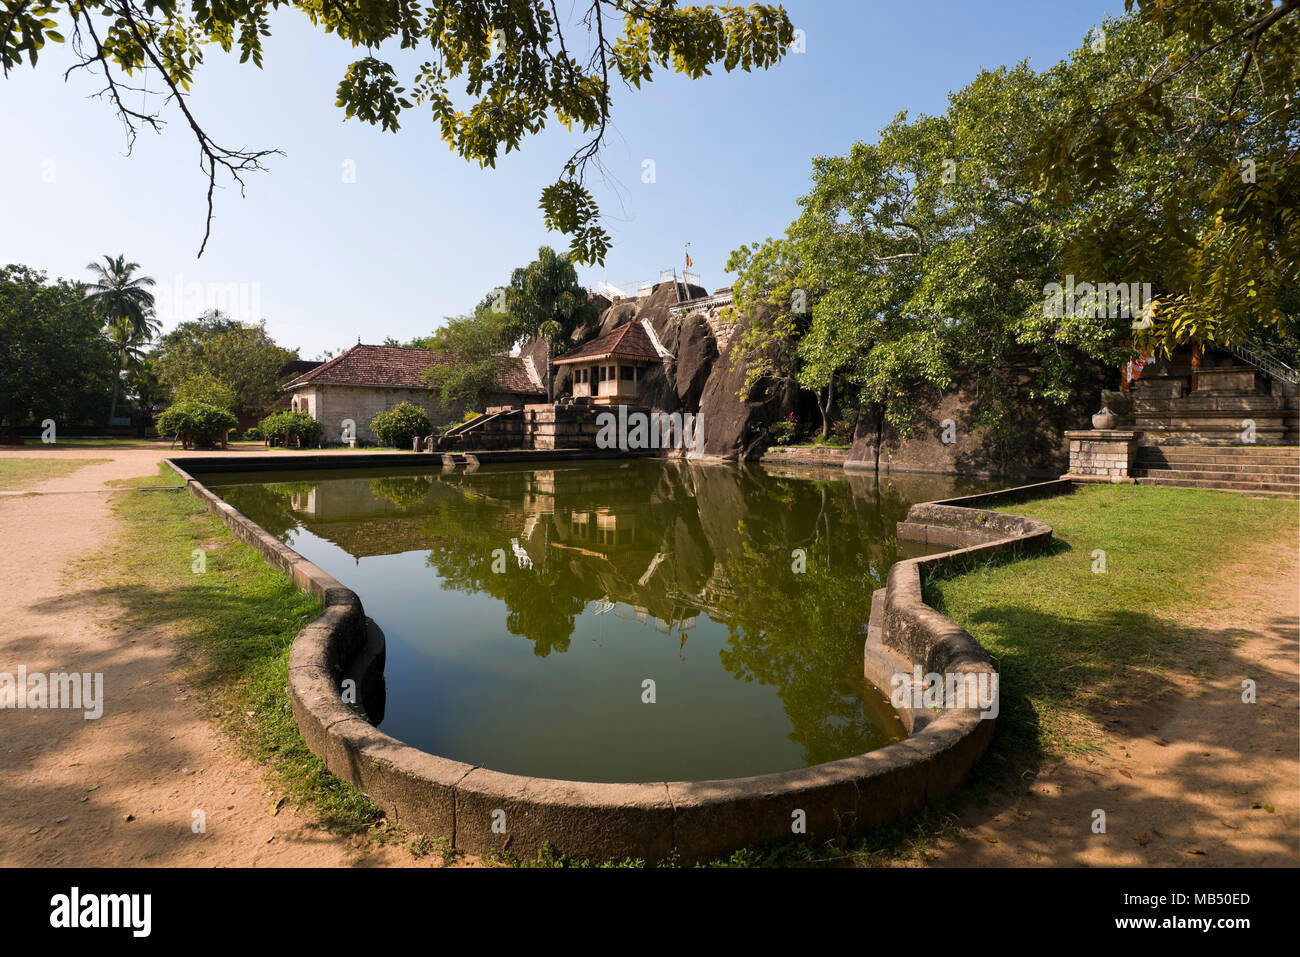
<point>395,367</point>
<point>628,341</point>
<point>296,367</point>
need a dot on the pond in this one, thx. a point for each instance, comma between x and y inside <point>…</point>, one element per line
<point>635,620</point>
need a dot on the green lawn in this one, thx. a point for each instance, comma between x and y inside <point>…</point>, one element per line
<point>23,473</point>
<point>1072,643</point>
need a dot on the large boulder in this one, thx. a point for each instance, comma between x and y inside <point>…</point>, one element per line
<point>946,435</point>
<point>697,352</point>
<point>736,427</point>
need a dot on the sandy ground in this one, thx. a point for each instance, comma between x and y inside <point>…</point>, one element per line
<point>122,790</point>
<point>1196,778</point>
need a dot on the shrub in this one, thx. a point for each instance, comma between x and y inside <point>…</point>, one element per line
<point>398,426</point>
<point>843,430</point>
<point>298,428</point>
<point>254,434</point>
<point>195,423</point>
<point>783,431</point>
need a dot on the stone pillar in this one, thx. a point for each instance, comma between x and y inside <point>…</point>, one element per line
<point>1101,455</point>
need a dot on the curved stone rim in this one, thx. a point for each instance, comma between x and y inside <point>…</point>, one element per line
<point>653,821</point>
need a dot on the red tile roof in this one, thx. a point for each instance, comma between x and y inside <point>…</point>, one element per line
<point>395,367</point>
<point>628,341</point>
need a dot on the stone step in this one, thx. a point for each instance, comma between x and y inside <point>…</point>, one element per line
<point>1211,402</point>
<point>1221,469</point>
<point>1268,455</point>
<point>1173,479</point>
<point>1291,480</point>
<point>1165,437</point>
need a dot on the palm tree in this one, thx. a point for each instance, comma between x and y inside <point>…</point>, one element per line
<point>547,300</point>
<point>124,304</point>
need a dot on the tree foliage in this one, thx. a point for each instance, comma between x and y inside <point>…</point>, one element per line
<point>55,361</point>
<point>240,356</point>
<point>1198,124</point>
<point>124,304</point>
<point>931,251</point>
<point>516,63</point>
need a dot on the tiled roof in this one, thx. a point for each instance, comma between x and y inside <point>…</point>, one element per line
<point>628,341</point>
<point>394,367</point>
<point>296,367</point>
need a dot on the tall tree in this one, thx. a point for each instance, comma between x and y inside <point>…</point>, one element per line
<point>547,302</point>
<point>240,356</point>
<point>481,344</point>
<point>1206,107</point>
<point>55,362</point>
<point>515,58</point>
<point>124,303</point>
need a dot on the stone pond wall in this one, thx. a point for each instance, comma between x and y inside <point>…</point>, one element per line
<point>696,819</point>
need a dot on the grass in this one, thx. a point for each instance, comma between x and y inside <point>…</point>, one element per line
<point>1101,621</point>
<point>22,473</point>
<point>236,621</point>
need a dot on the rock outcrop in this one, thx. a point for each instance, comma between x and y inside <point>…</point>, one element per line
<point>693,375</point>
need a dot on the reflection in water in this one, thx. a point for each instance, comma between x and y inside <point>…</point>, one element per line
<point>742,594</point>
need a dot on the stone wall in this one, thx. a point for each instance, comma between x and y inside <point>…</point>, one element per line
<point>1102,455</point>
<point>331,404</point>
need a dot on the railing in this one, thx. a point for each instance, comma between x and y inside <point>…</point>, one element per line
<point>1270,364</point>
<point>642,288</point>
<point>703,304</point>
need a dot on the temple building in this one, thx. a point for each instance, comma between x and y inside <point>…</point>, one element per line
<point>608,369</point>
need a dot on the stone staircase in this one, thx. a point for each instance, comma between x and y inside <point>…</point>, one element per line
<point>1262,470</point>
<point>1232,405</point>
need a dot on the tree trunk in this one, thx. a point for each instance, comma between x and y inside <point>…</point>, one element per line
<point>549,396</point>
<point>880,431</point>
<point>117,384</point>
<point>826,409</point>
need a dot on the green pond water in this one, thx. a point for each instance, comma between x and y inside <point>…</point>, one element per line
<point>525,609</point>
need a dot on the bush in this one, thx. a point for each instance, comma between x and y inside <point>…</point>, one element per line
<point>843,430</point>
<point>297,428</point>
<point>195,423</point>
<point>783,431</point>
<point>398,426</point>
<point>254,434</point>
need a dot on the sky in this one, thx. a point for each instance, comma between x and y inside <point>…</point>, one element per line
<point>360,234</point>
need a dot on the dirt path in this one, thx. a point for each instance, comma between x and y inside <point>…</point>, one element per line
<point>1198,778</point>
<point>122,790</point>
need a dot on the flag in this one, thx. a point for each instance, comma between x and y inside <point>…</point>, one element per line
<point>689,264</point>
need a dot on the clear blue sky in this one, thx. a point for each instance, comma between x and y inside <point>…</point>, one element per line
<point>421,234</point>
